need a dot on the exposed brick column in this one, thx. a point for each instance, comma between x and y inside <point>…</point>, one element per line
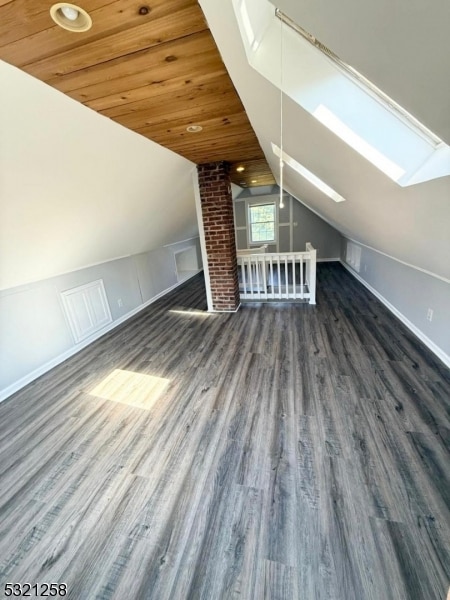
<point>218,225</point>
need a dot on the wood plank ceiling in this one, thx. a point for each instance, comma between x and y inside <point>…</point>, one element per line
<point>153,67</point>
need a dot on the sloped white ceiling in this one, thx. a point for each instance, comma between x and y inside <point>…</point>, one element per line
<point>411,224</point>
<point>77,189</point>
<point>402,46</point>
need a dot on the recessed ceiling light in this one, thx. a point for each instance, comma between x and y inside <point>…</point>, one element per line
<point>70,17</point>
<point>254,180</point>
<point>240,169</point>
<point>194,128</point>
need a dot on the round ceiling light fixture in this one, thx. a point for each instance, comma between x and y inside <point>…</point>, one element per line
<point>194,128</point>
<point>70,17</point>
<point>240,169</point>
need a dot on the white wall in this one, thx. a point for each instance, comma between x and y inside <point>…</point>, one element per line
<point>410,293</point>
<point>311,228</point>
<point>77,189</point>
<point>35,331</point>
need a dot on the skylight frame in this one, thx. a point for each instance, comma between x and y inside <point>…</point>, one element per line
<point>307,174</point>
<point>365,84</point>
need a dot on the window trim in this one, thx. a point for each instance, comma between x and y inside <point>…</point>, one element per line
<point>262,202</point>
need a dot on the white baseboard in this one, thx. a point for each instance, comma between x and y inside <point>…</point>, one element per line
<point>226,311</point>
<point>328,260</point>
<point>19,384</point>
<point>445,358</point>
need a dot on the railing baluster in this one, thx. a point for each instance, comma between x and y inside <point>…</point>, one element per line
<point>286,275</point>
<point>244,278</point>
<point>307,268</point>
<point>279,277</point>
<point>260,270</point>
<point>293,277</point>
<point>264,274</point>
<point>302,289</point>
<point>272,287</point>
<point>312,282</point>
<point>258,284</point>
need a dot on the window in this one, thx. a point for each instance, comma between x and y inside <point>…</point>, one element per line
<point>262,222</point>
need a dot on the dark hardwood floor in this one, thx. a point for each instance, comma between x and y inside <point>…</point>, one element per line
<point>284,452</point>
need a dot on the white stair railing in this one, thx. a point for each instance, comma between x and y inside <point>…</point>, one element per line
<point>277,276</point>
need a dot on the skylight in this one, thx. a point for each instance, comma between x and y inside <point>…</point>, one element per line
<point>327,118</point>
<point>358,78</point>
<point>339,97</point>
<point>304,172</point>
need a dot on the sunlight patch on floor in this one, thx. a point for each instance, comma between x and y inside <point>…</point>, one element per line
<point>192,313</point>
<point>133,389</point>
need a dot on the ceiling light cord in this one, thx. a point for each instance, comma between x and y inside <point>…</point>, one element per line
<point>281,115</point>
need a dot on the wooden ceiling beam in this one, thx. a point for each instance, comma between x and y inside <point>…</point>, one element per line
<point>196,112</point>
<point>176,129</point>
<point>188,95</point>
<point>231,149</point>
<point>207,108</point>
<point>157,63</point>
<point>156,88</point>
<point>215,153</point>
<point>224,142</point>
<point>226,133</point>
<point>154,79</point>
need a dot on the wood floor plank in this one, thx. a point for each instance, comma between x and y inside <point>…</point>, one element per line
<point>278,581</point>
<point>282,452</point>
<point>243,573</point>
<point>411,577</point>
<point>281,497</point>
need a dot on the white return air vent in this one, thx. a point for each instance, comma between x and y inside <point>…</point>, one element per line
<point>353,256</point>
<point>87,309</point>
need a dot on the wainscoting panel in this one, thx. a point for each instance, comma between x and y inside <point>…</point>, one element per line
<point>87,309</point>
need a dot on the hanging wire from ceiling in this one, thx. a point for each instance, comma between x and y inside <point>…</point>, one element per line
<point>281,115</point>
